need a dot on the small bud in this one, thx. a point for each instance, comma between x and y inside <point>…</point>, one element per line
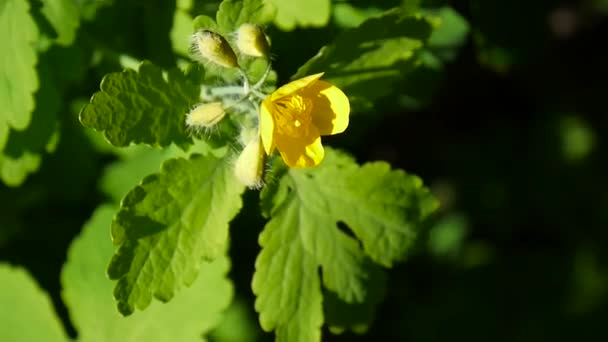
<point>252,41</point>
<point>213,47</point>
<point>249,167</point>
<point>205,115</point>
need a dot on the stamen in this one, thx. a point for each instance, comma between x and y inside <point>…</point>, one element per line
<point>292,115</point>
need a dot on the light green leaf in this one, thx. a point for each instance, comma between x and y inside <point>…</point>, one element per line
<point>65,18</point>
<point>168,224</point>
<point>23,150</point>
<point>27,312</point>
<point>88,295</point>
<point>233,13</point>
<point>18,80</point>
<point>382,207</point>
<point>365,62</point>
<point>292,13</point>
<point>142,106</point>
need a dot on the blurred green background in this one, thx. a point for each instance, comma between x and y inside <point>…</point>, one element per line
<point>508,132</point>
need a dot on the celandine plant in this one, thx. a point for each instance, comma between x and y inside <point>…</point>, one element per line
<point>237,131</point>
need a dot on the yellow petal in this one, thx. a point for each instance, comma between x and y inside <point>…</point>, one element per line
<point>301,152</point>
<point>331,108</point>
<point>294,86</point>
<point>267,126</point>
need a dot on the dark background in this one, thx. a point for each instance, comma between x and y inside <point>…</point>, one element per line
<point>511,142</point>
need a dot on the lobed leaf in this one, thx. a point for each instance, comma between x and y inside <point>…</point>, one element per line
<point>87,293</point>
<point>168,224</point>
<point>382,207</point>
<point>18,80</point>
<point>366,62</point>
<point>142,107</point>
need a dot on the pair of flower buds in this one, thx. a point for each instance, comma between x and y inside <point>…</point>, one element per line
<point>210,46</point>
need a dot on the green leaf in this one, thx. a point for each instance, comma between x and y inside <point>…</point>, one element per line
<point>18,80</point>
<point>88,295</point>
<point>292,13</point>
<point>168,224</point>
<point>233,13</point>
<point>27,312</point>
<point>64,16</point>
<point>142,107</point>
<point>365,62</point>
<point>382,207</point>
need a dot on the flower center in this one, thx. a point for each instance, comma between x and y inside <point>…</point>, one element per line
<point>292,115</point>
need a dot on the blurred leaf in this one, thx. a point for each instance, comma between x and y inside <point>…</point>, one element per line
<point>238,324</point>
<point>292,13</point>
<point>168,224</point>
<point>18,80</point>
<point>181,31</point>
<point>64,16</point>
<point>365,62</point>
<point>577,138</point>
<point>87,293</point>
<point>23,150</point>
<point>348,16</point>
<point>14,170</point>
<point>451,34</point>
<point>382,207</point>
<point>142,107</point>
<point>27,313</point>
<point>448,235</point>
<point>502,44</point>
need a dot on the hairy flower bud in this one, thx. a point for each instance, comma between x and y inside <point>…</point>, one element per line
<point>249,166</point>
<point>205,115</point>
<point>208,45</point>
<point>252,41</point>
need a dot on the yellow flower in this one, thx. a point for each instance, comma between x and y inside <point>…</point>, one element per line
<point>296,115</point>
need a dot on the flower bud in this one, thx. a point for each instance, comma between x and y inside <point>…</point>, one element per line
<point>205,115</point>
<point>208,45</point>
<point>252,41</point>
<point>249,167</point>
